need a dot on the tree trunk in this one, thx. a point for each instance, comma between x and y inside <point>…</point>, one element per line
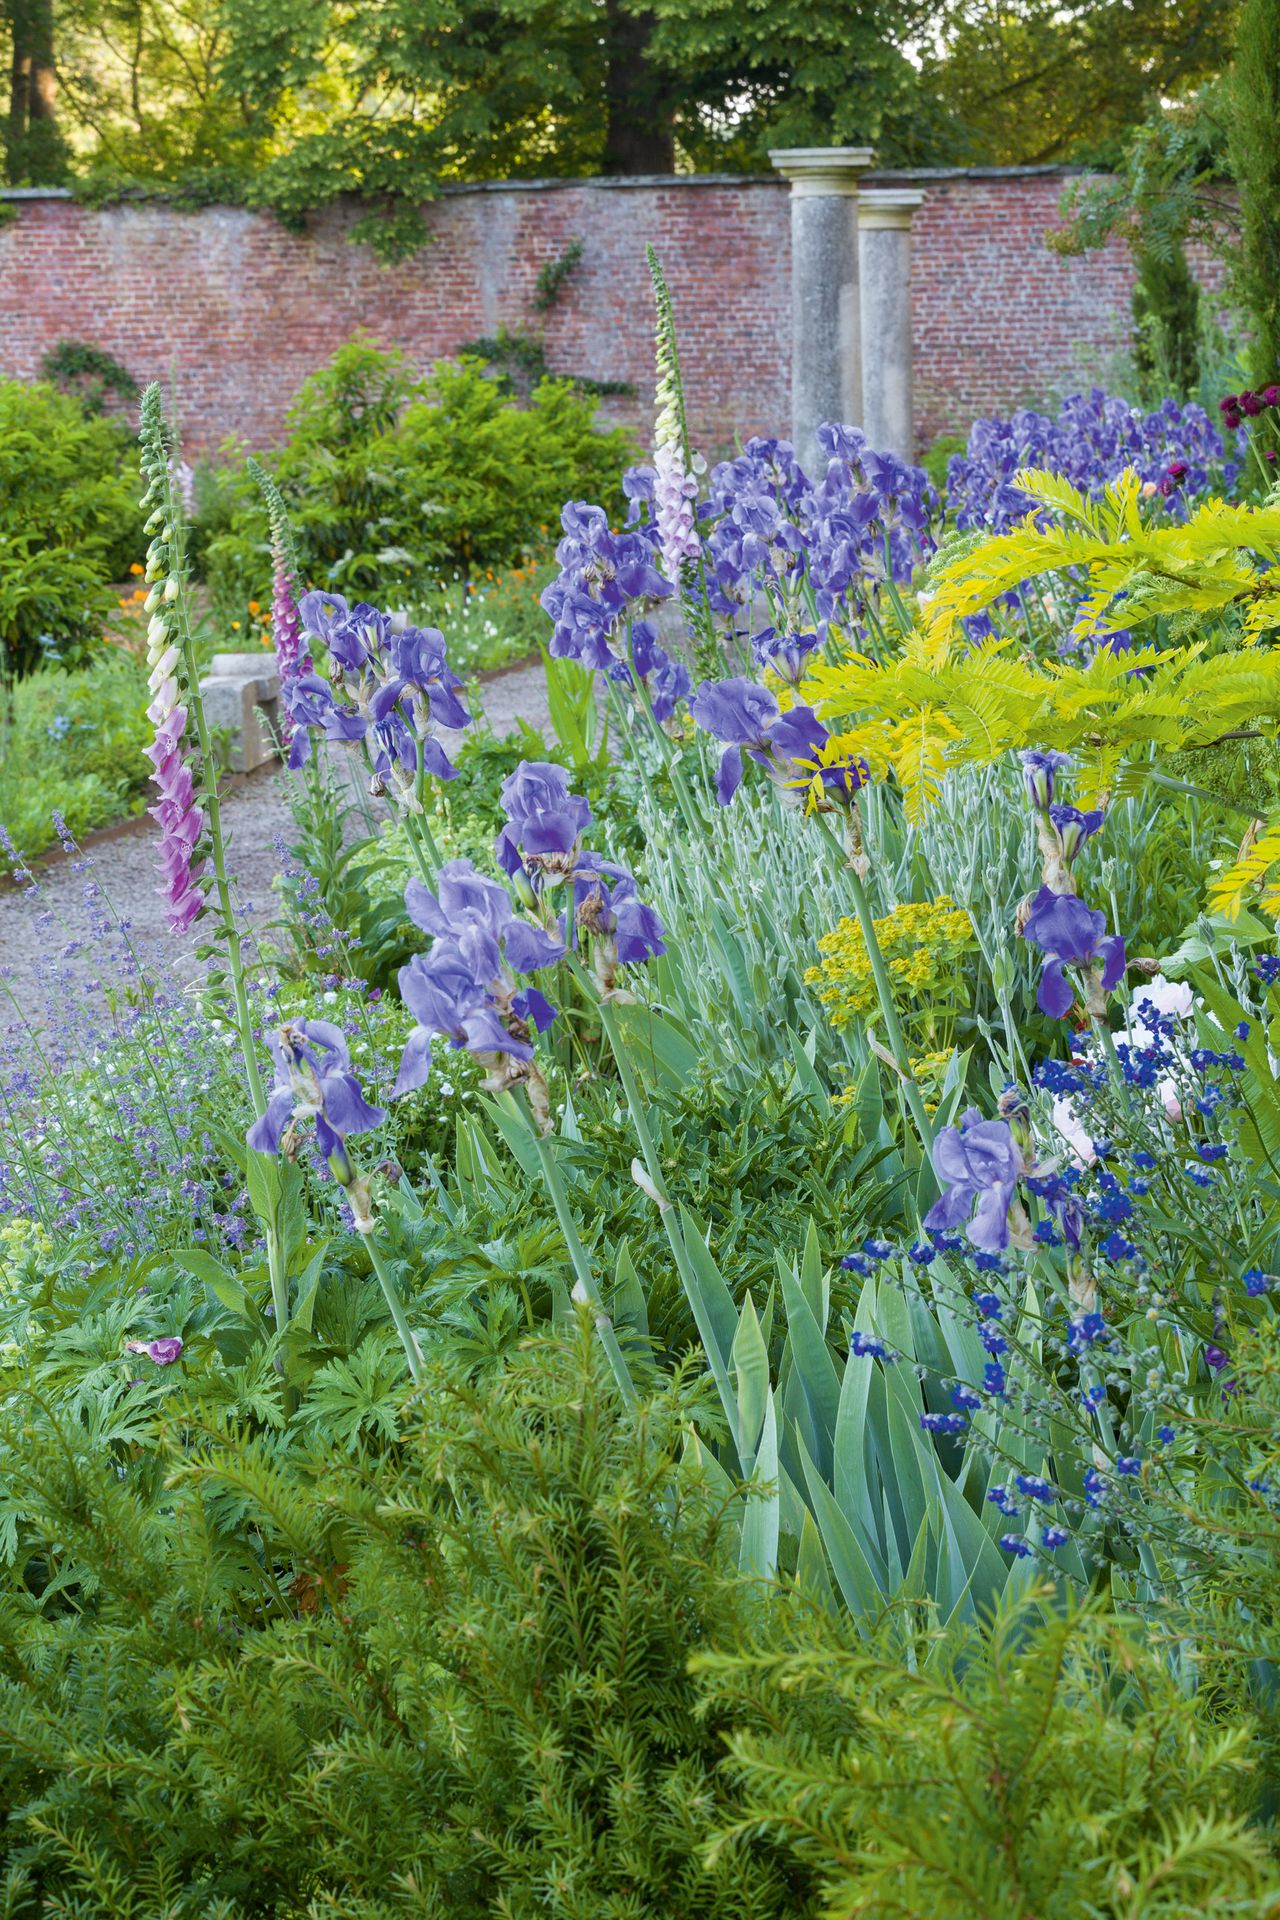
<point>639,133</point>
<point>34,146</point>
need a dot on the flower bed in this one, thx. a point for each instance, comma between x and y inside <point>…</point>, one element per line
<point>692,1326</point>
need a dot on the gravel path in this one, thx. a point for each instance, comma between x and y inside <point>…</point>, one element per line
<point>122,864</point>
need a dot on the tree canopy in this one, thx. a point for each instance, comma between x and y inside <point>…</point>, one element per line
<point>291,103</point>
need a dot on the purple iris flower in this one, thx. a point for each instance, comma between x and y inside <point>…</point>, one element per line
<point>321,614</point>
<point>355,643</point>
<point>980,1164</point>
<point>1070,934</point>
<point>785,653</point>
<point>671,683</point>
<point>602,577</point>
<point>442,993</point>
<point>464,988</point>
<point>477,915</point>
<point>1074,828</point>
<point>605,903</point>
<point>798,734</point>
<point>543,818</point>
<point>417,656</point>
<point>311,705</point>
<point>740,713</point>
<point>1040,767</point>
<point>313,1080</point>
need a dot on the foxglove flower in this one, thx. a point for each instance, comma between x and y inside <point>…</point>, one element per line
<point>179,818</point>
<point>674,493</point>
<point>674,488</point>
<point>292,660</point>
<point>1070,934</point>
<point>980,1165</point>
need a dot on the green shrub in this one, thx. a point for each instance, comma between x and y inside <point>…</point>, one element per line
<point>395,478</point>
<point>1051,1766</point>
<point>69,525</point>
<point>76,743</point>
<point>444,1673</point>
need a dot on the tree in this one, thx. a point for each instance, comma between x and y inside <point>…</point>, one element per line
<point>387,97</point>
<point>1254,136</point>
<point>33,147</point>
<point>1169,185</point>
<point>1032,81</point>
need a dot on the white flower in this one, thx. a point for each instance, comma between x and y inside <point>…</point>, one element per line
<point>1066,1121</point>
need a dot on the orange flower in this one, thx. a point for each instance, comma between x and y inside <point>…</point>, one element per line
<point>255,607</point>
<point>136,566</point>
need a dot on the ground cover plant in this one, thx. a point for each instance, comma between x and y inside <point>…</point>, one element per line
<point>687,1322</point>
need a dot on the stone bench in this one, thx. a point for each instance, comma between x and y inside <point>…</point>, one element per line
<point>241,695</point>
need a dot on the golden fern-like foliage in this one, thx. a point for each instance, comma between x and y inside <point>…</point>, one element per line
<point>928,710</point>
<point>1222,559</point>
<point>1248,874</point>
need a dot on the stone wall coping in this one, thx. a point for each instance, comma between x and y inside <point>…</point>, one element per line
<point>874,177</point>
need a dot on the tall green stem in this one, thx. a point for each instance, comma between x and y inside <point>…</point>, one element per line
<point>670,1223</point>
<point>586,1288</point>
<point>408,1340</point>
<point>884,992</point>
<point>156,458</point>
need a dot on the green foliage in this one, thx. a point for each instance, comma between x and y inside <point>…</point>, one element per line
<point>1166,311</point>
<point>439,1675</point>
<point>553,274</point>
<point>89,372</point>
<point>69,524</point>
<point>1253,115</point>
<point>1167,184</point>
<point>937,704</point>
<point>75,743</point>
<point>1040,82</point>
<point>1055,1765</point>
<point>388,476</point>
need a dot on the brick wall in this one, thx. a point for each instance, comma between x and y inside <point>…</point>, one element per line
<point>237,311</point>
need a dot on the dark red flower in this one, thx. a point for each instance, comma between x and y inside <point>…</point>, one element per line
<point>1252,404</point>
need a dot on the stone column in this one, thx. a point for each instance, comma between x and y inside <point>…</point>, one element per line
<point>826,321</point>
<point>884,221</point>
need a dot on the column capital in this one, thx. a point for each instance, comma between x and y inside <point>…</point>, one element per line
<point>822,170</point>
<point>888,206</point>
